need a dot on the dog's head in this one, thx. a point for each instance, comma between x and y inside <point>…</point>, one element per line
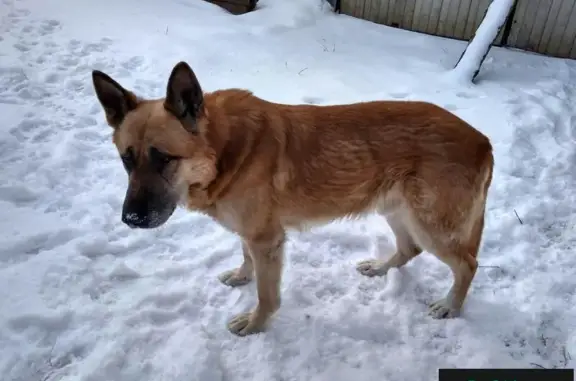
<point>162,144</point>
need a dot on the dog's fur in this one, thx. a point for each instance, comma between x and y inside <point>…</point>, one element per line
<point>260,168</point>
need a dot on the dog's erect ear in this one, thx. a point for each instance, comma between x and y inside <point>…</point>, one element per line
<point>115,100</point>
<point>184,96</point>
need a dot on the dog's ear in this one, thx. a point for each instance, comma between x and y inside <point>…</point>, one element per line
<point>184,96</point>
<point>115,100</point>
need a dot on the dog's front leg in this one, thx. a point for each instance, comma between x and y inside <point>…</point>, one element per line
<point>267,251</point>
<point>241,275</point>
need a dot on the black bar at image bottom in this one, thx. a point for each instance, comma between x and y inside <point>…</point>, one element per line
<point>506,375</point>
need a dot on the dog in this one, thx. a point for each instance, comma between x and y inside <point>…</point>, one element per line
<point>260,168</point>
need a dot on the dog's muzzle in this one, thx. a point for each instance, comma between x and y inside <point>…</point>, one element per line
<point>144,211</point>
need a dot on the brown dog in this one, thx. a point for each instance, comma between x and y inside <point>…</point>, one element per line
<point>259,168</point>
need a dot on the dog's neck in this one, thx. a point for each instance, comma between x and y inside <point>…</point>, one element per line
<point>232,144</point>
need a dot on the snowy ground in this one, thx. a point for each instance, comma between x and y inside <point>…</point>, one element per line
<point>83,297</point>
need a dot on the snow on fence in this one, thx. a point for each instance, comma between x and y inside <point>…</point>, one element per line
<point>497,15</point>
<point>542,26</point>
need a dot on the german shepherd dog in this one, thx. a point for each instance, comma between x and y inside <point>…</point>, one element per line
<point>260,168</point>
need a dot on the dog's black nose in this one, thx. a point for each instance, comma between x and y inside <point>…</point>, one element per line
<point>135,220</point>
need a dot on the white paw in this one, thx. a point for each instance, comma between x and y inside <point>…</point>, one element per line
<point>243,325</point>
<point>372,267</point>
<point>234,278</point>
<point>443,309</point>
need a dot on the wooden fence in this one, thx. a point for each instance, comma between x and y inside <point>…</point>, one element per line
<point>542,26</point>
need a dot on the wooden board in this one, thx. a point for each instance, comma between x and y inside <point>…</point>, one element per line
<point>235,6</point>
<point>448,18</point>
<point>545,26</point>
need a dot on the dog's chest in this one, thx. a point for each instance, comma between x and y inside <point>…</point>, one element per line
<point>229,217</point>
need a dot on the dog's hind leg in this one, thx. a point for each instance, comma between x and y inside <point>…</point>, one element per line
<point>461,257</point>
<point>406,249</point>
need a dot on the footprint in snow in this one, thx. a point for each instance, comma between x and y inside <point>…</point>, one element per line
<point>33,129</point>
<point>312,100</point>
<point>133,63</point>
<point>22,47</point>
<point>123,273</point>
<point>165,300</point>
<point>465,95</point>
<point>451,107</point>
<point>48,27</point>
<point>400,95</point>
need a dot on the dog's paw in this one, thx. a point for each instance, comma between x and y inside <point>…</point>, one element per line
<point>372,267</point>
<point>243,324</point>
<point>443,309</point>
<point>234,278</point>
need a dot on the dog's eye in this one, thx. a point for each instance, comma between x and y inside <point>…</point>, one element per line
<point>160,159</point>
<point>128,159</point>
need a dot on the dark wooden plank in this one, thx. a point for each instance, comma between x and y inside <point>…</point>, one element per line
<point>540,21</point>
<point>434,16</point>
<point>561,23</point>
<point>463,14</point>
<point>372,10</point>
<point>443,22</point>
<point>528,24</point>
<point>232,7</point>
<point>551,21</point>
<point>471,19</point>
<point>238,2</point>
<point>383,9</point>
<point>408,15</point>
<point>569,35</point>
<point>347,7</point>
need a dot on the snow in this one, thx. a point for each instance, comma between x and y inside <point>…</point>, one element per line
<point>496,15</point>
<point>83,297</point>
